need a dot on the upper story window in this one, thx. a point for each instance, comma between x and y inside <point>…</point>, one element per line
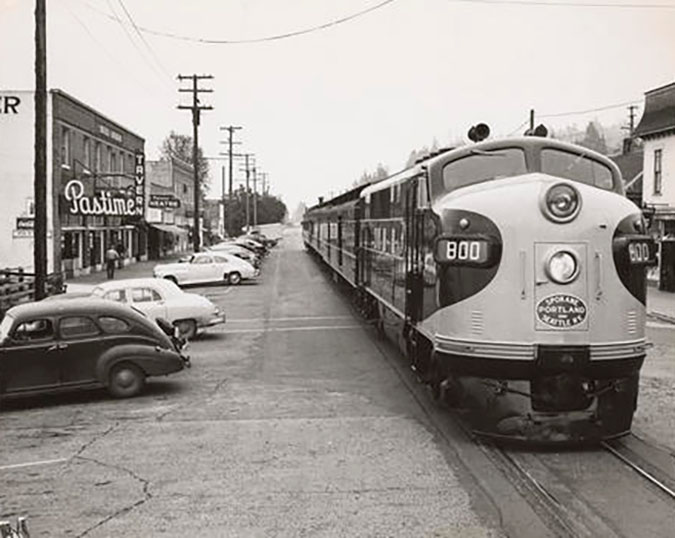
<point>658,171</point>
<point>98,157</point>
<point>113,162</point>
<point>108,160</point>
<point>65,146</point>
<point>86,152</point>
<point>479,166</point>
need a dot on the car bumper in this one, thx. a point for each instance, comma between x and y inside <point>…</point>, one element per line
<point>214,320</point>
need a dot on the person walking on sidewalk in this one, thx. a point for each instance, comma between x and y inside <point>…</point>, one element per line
<point>111,257</point>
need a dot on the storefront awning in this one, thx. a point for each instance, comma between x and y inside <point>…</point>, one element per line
<point>170,228</point>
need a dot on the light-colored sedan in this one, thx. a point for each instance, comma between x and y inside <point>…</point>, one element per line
<point>238,251</point>
<point>204,267</point>
<point>158,298</point>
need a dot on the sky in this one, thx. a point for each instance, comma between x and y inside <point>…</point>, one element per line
<point>320,108</point>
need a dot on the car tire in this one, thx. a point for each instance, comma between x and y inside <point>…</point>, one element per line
<point>125,380</point>
<point>172,279</point>
<point>187,328</point>
<point>234,278</point>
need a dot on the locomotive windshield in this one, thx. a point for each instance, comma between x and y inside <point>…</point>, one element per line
<point>480,166</point>
<point>577,167</point>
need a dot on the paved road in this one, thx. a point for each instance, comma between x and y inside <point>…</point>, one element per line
<point>290,423</point>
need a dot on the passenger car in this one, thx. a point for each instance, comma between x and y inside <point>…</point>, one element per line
<point>160,298</point>
<point>237,250</point>
<point>88,342</point>
<point>204,267</point>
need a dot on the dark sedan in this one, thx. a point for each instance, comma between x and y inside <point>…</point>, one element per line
<point>64,344</point>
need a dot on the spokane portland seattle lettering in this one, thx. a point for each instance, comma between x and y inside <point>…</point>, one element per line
<point>103,204</point>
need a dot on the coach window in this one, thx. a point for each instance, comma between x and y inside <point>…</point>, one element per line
<point>484,166</point>
<point>577,167</point>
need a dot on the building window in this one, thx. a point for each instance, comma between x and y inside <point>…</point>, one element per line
<point>108,161</point>
<point>185,188</point>
<point>658,172</point>
<point>65,147</point>
<point>86,151</point>
<point>98,157</point>
<point>113,162</point>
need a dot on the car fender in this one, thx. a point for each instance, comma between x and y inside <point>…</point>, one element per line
<point>153,360</point>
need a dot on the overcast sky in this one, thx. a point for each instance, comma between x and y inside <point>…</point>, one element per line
<point>320,108</point>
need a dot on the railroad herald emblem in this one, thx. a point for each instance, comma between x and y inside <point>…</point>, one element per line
<point>561,311</point>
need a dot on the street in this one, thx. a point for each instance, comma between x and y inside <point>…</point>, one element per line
<point>294,420</point>
<point>290,422</point>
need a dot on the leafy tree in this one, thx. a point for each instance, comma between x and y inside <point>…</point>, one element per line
<point>270,209</point>
<point>179,147</point>
<point>380,172</point>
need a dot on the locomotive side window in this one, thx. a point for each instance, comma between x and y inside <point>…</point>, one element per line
<point>577,167</point>
<point>484,166</point>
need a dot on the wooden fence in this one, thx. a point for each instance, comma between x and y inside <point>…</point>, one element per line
<point>18,286</point>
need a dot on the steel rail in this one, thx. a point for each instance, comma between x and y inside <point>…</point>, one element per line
<point>639,470</point>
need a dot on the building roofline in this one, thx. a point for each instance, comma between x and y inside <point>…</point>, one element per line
<point>65,95</point>
<point>661,88</point>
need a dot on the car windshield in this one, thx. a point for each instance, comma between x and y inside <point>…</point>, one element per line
<point>5,326</point>
<point>480,166</point>
<point>577,167</point>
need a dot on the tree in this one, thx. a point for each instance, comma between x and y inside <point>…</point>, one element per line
<point>179,147</point>
<point>380,172</point>
<point>594,139</point>
<point>270,209</point>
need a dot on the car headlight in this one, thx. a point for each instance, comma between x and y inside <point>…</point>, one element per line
<point>562,203</point>
<point>562,267</point>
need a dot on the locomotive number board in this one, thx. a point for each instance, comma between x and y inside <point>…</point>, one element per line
<point>463,251</point>
<point>642,252</point>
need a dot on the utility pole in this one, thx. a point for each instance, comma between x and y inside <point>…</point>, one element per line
<point>631,119</point>
<point>196,109</point>
<point>231,129</point>
<point>40,149</point>
<point>255,197</point>
<point>265,186</point>
<point>247,156</point>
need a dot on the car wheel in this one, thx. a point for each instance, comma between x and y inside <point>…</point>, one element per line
<point>172,279</point>
<point>234,278</point>
<point>125,380</point>
<point>186,327</point>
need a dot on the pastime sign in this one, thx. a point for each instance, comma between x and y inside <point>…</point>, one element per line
<point>102,204</point>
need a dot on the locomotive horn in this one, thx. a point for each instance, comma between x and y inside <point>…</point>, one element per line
<point>479,132</point>
<point>541,130</point>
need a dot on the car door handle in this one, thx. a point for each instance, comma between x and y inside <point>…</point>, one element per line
<point>57,347</point>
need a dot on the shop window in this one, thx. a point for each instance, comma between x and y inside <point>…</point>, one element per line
<point>70,245</point>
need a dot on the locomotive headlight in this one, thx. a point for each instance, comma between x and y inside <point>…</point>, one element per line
<point>562,203</point>
<point>562,267</point>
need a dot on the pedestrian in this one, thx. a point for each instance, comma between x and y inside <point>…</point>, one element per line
<point>111,257</point>
<point>120,251</point>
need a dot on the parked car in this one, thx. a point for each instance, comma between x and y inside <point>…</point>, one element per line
<point>252,245</point>
<point>238,251</point>
<point>161,298</point>
<point>77,343</point>
<point>204,267</point>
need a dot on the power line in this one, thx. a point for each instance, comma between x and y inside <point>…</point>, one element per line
<point>140,35</point>
<point>579,112</point>
<point>566,4</point>
<point>275,37</point>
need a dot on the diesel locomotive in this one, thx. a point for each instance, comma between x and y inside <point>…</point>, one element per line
<point>512,273</point>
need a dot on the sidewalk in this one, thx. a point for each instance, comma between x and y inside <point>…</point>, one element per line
<point>661,304</point>
<point>134,270</point>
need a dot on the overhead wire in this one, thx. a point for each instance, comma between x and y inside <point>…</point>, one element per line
<point>559,3</point>
<point>142,38</point>
<point>275,37</point>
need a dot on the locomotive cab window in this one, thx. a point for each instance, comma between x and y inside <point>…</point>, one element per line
<point>481,166</point>
<point>577,167</point>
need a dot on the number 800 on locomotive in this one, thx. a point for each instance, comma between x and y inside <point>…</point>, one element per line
<point>513,274</point>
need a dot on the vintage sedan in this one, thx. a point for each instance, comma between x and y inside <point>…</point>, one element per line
<point>80,343</point>
<point>238,251</point>
<point>161,298</point>
<point>205,267</point>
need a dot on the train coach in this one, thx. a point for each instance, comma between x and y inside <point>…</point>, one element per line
<point>512,272</point>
